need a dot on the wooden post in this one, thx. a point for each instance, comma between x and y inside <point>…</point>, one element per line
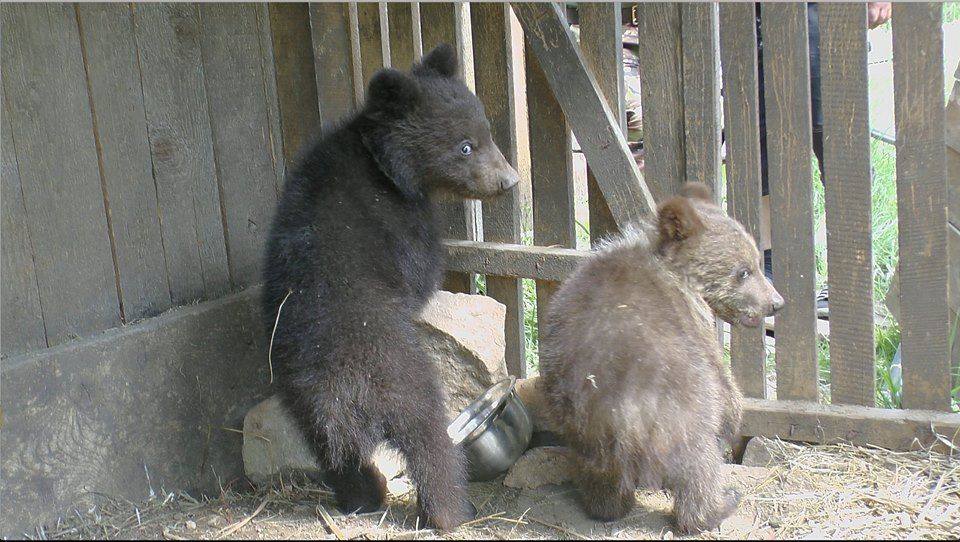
<point>738,51</point>
<point>789,144</point>
<point>374,44</point>
<point>701,94</point>
<point>439,25</point>
<point>921,204</point>
<point>333,57</point>
<point>602,48</point>
<point>843,65</point>
<point>401,35</point>
<point>661,88</point>
<point>551,169</point>
<point>296,76</point>
<point>493,54</point>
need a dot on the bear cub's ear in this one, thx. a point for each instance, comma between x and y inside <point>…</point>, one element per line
<point>392,90</point>
<point>441,61</point>
<point>677,220</point>
<point>697,191</point>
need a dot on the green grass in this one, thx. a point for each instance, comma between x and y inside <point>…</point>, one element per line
<point>951,12</point>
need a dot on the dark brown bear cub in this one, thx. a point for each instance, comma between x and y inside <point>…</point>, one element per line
<point>630,363</point>
<point>354,253</point>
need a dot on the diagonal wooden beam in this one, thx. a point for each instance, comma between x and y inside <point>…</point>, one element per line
<point>593,122</point>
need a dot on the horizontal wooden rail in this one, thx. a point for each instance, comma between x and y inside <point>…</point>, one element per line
<point>807,421</point>
<point>509,260</point>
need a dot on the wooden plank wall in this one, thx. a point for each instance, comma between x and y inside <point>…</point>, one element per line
<point>56,154</point>
<point>144,147</point>
<point>143,153</point>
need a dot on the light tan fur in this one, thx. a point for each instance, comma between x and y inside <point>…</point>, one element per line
<point>630,363</point>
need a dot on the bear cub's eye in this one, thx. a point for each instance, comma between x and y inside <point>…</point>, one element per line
<point>743,273</point>
<point>466,148</point>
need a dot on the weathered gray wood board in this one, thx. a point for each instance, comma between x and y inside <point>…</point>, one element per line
<point>661,83</point>
<point>270,91</point>
<point>374,51</point>
<point>602,49</point>
<point>701,94</point>
<point>921,204</point>
<point>551,169</point>
<point>789,151</point>
<point>178,121</point>
<point>512,260</point>
<point>21,320</point>
<point>493,53</point>
<point>241,132</point>
<point>402,51</point>
<point>116,100</point>
<point>332,54</point>
<point>738,53</point>
<point>296,76</point>
<point>46,95</point>
<point>806,421</point>
<point>438,25</point>
<point>101,414</point>
<point>594,123</point>
<point>843,72</point>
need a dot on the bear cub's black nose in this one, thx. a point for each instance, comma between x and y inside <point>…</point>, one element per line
<point>509,180</point>
<point>776,305</point>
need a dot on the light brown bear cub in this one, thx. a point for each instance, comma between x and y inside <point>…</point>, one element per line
<point>630,363</point>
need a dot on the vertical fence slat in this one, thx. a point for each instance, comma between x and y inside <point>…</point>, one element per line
<point>439,25</point>
<point>400,15</point>
<point>843,72</point>
<point>296,76</point>
<point>332,55</point>
<point>178,123</point>
<point>661,91</point>
<point>738,54</point>
<point>113,75</point>
<point>601,44</point>
<point>240,124</point>
<point>371,42</point>
<point>551,170</point>
<point>269,72</point>
<point>493,53</point>
<point>701,94</point>
<point>789,151</point>
<point>45,89</point>
<point>921,204</point>
<point>22,318</point>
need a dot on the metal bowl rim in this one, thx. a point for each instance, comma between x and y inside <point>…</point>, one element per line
<point>479,413</point>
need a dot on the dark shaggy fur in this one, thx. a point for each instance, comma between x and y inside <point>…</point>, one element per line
<point>355,244</point>
<point>630,364</point>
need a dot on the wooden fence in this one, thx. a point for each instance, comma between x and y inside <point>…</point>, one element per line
<point>144,147</point>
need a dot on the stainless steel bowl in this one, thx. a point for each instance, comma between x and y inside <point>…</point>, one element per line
<point>494,430</point>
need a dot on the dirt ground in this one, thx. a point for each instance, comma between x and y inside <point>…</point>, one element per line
<point>803,492</point>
